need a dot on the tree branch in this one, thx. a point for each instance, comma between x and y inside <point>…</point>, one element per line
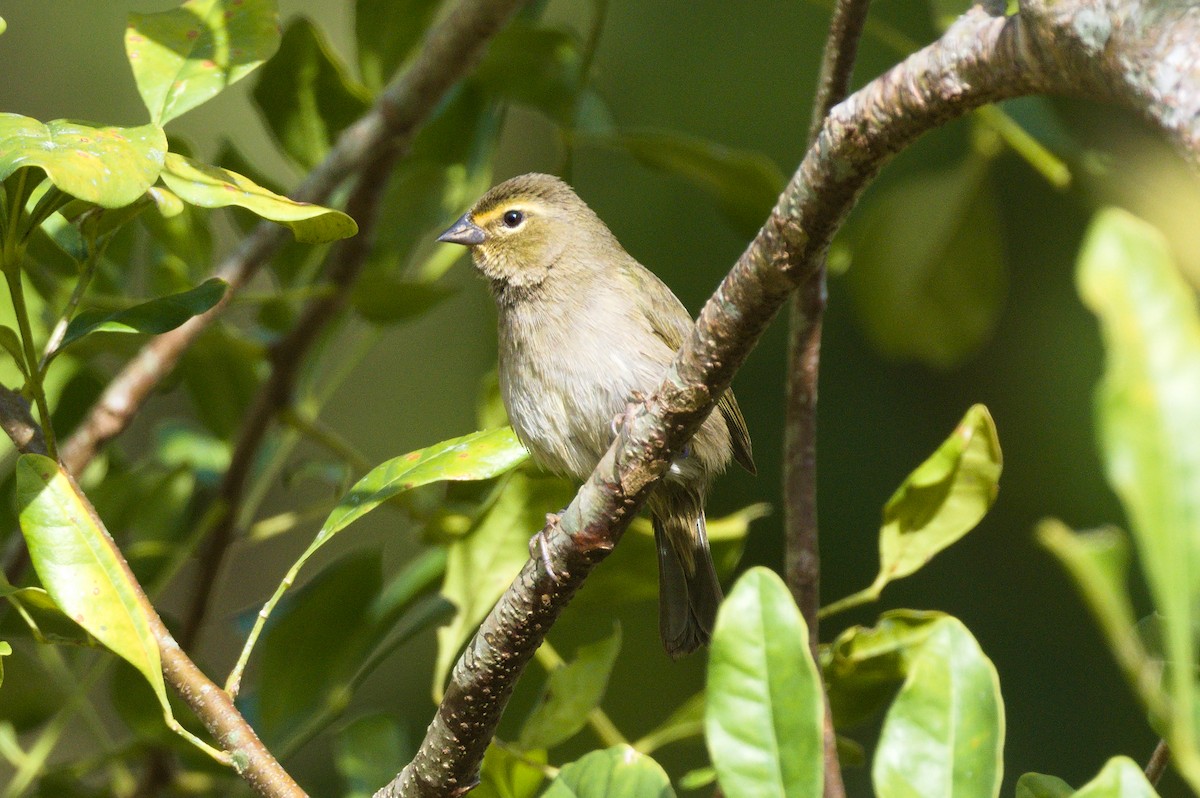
<point>981,59</point>
<point>212,705</point>
<point>450,50</point>
<point>802,551</point>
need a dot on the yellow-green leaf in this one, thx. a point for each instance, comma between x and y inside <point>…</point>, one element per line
<point>78,563</point>
<point>187,55</point>
<point>108,166</point>
<point>213,187</point>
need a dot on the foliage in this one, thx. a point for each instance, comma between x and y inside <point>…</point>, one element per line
<point>111,228</point>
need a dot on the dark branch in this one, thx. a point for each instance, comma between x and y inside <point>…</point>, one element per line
<point>980,60</point>
<point>802,551</point>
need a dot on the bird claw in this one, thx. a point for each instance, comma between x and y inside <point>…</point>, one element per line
<point>636,399</point>
<point>539,548</point>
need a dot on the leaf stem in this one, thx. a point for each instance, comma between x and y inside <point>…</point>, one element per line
<point>17,292</point>
<point>95,252</point>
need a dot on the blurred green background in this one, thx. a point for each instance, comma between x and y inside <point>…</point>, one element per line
<point>742,75</point>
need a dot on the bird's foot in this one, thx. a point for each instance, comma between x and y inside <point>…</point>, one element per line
<point>637,399</point>
<point>539,547</point>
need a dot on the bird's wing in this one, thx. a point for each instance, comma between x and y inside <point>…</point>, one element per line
<point>671,322</point>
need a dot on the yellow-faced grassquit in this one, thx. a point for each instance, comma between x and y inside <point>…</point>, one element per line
<point>584,327</point>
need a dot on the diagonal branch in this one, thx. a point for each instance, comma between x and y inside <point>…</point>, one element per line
<point>981,59</point>
<point>211,704</point>
<point>450,50</point>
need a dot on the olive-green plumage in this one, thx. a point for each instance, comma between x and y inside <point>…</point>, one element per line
<point>584,327</point>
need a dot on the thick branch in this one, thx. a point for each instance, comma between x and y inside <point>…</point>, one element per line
<point>981,59</point>
<point>450,51</point>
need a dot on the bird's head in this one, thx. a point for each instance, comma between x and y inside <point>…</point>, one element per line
<point>519,232</point>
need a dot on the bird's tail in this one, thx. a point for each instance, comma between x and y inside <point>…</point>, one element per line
<point>688,591</point>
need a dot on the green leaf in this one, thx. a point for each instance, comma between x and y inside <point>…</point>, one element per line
<point>369,752</point>
<point>765,714</point>
<point>944,732</point>
<point>381,299</point>
<point>548,61</point>
<point>315,641</point>
<point>937,504</point>
<point>1120,777</point>
<point>78,564</point>
<point>386,31</point>
<point>222,375</point>
<point>1148,416</point>
<point>5,648</point>
<point>480,455</point>
<point>306,95</point>
<point>12,344</point>
<point>505,774</point>
<point>153,317</point>
<point>1039,785</point>
<point>107,166</point>
<point>483,562</point>
<point>928,278</point>
<point>617,772</point>
<point>45,620</point>
<point>744,184</point>
<point>187,55</point>
<point>571,692</point>
<point>212,187</point>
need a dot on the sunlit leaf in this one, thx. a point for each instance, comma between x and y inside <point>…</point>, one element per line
<point>939,502</point>
<point>187,55</point>
<point>765,710</point>
<point>1147,416</point>
<point>213,187</point>
<point>744,184</point>
<point>5,648</point>
<point>153,317</point>
<point>1120,777</point>
<point>79,566</point>
<point>107,166</point>
<point>944,731</point>
<point>306,95</point>
<point>617,772</point>
<point>506,774</point>
<point>928,277</point>
<point>571,692</point>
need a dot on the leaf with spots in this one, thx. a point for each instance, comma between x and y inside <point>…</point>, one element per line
<point>186,56</point>
<point>107,166</point>
<point>212,187</point>
<point>80,568</point>
<point>480,455</point>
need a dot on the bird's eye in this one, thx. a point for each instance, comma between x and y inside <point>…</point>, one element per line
<point>513,218</point>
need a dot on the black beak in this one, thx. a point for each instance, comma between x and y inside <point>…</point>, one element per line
<point>464,232</point>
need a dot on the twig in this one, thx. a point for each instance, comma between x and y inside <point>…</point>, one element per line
<point>1158,762</point>
<point>980,59</point>
<point>802,552</point>
<point>450,50</point>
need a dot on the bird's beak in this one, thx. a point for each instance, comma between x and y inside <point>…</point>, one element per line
<point>464,232</point>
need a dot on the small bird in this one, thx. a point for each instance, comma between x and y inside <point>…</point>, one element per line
<point>583,329</point>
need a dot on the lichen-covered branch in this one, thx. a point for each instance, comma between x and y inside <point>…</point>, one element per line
<point>981,59</point>
<point>450,50</point>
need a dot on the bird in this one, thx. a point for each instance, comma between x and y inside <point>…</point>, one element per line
<point>583,330</point>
